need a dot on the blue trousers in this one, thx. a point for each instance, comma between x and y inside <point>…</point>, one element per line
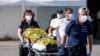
<point>77,51</point>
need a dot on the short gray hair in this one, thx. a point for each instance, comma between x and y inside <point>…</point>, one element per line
<point>83,8</point>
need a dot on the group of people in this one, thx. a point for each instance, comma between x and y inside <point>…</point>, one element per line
<point>72,33</point>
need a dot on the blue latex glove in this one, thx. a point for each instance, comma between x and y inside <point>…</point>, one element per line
<point>26,45</point>
<point>21,41</point>
<point>60,52</point>
<point>89,54</point>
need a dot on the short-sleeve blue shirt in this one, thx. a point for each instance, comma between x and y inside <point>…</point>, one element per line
<point>77,34</point>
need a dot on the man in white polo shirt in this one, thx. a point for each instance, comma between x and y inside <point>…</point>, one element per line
<point>58,25</point>
<point>68,16</point>
<point>54,24</point>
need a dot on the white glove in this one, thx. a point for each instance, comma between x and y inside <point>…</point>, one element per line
<point>50,35</point>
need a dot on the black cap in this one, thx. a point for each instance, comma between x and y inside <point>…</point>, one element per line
<point>60,11</point>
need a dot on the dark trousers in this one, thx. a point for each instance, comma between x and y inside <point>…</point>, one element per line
<point>66,51</point>
<point>77,51</point>
<point>31,53</point>
<point>23,51</point>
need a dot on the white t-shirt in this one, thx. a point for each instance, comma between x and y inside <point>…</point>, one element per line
<point>55,23</point>
<point>61,30</point>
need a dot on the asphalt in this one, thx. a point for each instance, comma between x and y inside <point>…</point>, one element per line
<point>8,48</point>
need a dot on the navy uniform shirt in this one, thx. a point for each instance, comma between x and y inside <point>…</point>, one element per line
<point>77,34</point>
<point>24,25</point>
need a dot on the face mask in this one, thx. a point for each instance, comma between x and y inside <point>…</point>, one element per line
<point>59,16</point>
<point>28,17</point>
<point>71,17</point>
<point>84,18</point>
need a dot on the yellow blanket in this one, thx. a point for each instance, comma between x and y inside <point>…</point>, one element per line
<point>38,36</point>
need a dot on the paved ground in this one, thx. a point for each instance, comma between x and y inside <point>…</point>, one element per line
<point>10,48</point>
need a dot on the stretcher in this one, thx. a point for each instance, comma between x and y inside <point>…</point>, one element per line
<point>50,51</point>
<point>40,38</point>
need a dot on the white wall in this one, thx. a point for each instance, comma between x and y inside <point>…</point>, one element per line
<point>9,20</point>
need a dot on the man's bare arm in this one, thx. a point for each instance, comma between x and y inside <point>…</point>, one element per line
<point>63,40</point>
<point>90,42</point>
